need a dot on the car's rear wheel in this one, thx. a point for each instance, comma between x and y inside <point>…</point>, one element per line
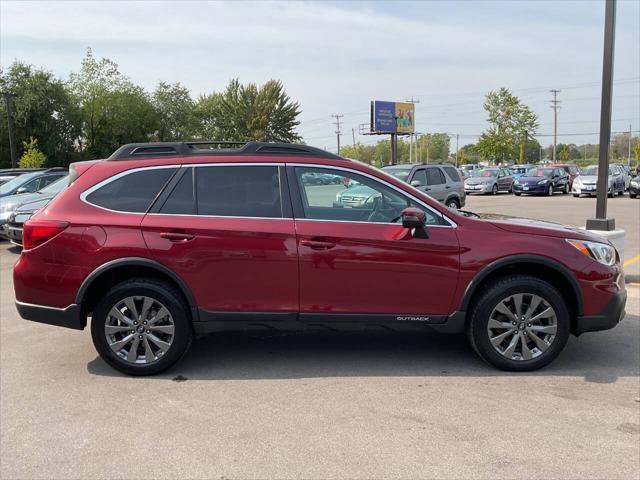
<point>141,327</point>
<point>453,204</point>
<point>576,195</point>
<point>517,194</point>
<point>519,323</point>
<point>567,189</point>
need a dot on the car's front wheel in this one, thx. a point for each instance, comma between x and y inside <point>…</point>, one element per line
<point>453,204</point>
<point>494,190</point>
<point>519,323</point>
<point>141,327</point>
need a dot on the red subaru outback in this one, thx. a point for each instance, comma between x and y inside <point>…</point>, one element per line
<point>164,242</point>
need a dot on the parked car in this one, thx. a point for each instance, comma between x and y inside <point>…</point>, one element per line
<point>633,187</point>
<point>468,168</point>
<point>572,170</point>
<point>542,181</point>
<point>12,229</point>
<point>442,182</point>
<point>165,241</point>
<point>9,204</point>
<point>489,180</point>
<point>7,174</point>
<point>519,170</point>
<point>625,171</point>
<point>31,182</point>
<point>586,183</point>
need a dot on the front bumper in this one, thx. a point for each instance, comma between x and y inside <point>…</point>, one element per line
<point>517,188</point>
<point>586,190</point>
<point>68,317</point>
<point>477,188</point>
<point>633,190</point>
<point>608,318</point>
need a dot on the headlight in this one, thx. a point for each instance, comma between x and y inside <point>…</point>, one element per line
<point>542,182</point>
<point>517,181</point>
<point>634,183</point>
<point>577,181</point>
<point>4,215</point>
<point>600,252</point>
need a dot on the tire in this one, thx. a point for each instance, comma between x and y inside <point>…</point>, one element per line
<point>632,195</point>
<point>576,195</point>
<point>550,191</point>
<point>504,289</point>
<point>161,356</point>
<point>566,190</point>
<point>494,190</point>
<point>621,192</point>
<point>517,194</point>
<point>453,204</point>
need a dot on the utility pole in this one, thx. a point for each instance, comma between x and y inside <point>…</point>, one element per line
<point>353,134</point>
<point>12,143</point>
<point>601,222</point>
<point>555,105</point>
<point>585,153</point>
<point>457,147</point>
<point>629,153</point>
<point>412,134</point>
<point>337,124</point>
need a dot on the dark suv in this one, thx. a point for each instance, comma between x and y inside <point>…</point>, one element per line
<point>164,242</point>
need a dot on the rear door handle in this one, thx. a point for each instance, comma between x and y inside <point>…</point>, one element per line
<point>317,244</point>
<point>177,237</point>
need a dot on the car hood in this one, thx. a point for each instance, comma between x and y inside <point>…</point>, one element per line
<point>10,202</point>
<point>530,226</point>
<point>35,205</point>
<point>361,191</point>
<point>590,178</point>
<point>525,179</point>
<point>479,180</point>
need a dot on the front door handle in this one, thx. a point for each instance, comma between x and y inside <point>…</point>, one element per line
<point>317,244</point>
<point>177,237</point>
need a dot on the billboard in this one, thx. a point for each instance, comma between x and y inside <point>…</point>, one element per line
<point>392,117</point>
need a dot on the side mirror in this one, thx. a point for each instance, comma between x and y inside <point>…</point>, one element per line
<point>416,220</point>
<point>416,183</point>
<point>21,190</point>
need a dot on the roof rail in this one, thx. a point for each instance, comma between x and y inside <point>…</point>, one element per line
<point>214,147</point>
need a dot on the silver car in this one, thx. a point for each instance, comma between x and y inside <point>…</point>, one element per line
<point>489,180</point>
<point>587,182</point>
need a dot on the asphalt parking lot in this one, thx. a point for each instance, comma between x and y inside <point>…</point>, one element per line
<point>323,405</point>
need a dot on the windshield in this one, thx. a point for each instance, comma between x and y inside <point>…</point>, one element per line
<point>518,169</point>
<point>540,172</point>
<point>55,187</point>
<point>16,182</point>
<point>399,173</point>
<point>485,172</point>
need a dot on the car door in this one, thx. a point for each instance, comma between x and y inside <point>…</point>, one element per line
<point>359,261</point>
<point>505,179</point>
<point>436,184</point>
<point>228,232</point>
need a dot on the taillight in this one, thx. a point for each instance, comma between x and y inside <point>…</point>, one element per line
<point>36,232</point>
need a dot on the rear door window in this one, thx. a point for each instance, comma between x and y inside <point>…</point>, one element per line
<point>239,191</point>
<point>434,176</point>
<point>133,192</point>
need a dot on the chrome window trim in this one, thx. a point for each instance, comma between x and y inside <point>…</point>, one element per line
<point>106,181</point>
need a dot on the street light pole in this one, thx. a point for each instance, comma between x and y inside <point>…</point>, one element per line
<point>601,222</point>
<point>12,143</point>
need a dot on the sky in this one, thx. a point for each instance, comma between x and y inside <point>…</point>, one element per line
<point>335,57</point>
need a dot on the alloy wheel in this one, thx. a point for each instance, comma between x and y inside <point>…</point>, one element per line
<point>522,326</point>
<point>139,330</point>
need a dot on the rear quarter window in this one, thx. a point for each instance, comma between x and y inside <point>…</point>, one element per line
<point>452,173</point>
<point>133,192</point>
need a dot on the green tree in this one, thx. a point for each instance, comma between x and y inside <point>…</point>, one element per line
<point>636,151</point>
<point>510,122</point>
<point>363,153</point>
<point>433,147</point>
<point>113,110</point>
<point>175,111</point>
<point>32,157</point>
<point>250,112</point>
<point>43,109</point>
<point>565,153</point>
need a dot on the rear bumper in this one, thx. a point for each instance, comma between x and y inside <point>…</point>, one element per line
<point>13,233</point>
<point>608,318</point>
<point>68,317</point>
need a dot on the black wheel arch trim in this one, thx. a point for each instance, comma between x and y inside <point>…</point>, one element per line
<point>143,262</point>
<point>514,260</point>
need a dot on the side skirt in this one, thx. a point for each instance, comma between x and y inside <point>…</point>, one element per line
<point>211,322</point>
